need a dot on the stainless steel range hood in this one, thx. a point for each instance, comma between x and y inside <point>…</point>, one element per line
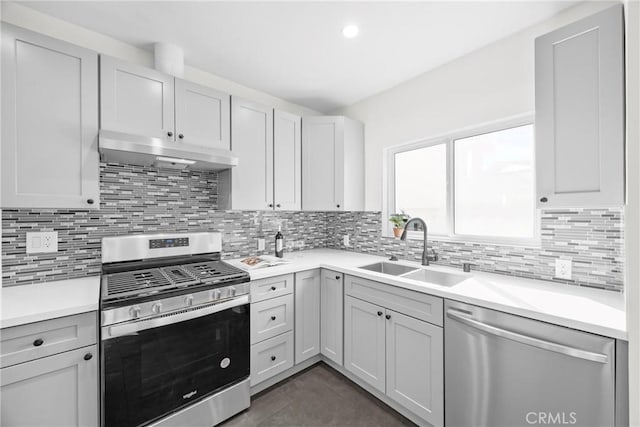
<point>117,147</point>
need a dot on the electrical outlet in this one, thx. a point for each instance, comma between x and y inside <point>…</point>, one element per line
<point>46,241</point>
<point>261,244</point>
<point>345,240</point>
<point>563,269</point>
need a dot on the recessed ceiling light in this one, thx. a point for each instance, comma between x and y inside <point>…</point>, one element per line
<point>350,31</point>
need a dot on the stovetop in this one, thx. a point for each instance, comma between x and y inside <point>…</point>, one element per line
<point>158,281</point>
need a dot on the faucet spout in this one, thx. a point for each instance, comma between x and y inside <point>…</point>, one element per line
<point>425,252</point>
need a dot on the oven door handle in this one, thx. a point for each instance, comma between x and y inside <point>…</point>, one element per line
<point>170,318</point>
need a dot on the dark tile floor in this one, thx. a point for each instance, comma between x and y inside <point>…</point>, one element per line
<point>318,396</point>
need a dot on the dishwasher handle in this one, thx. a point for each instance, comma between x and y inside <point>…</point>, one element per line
<point>524,339</point>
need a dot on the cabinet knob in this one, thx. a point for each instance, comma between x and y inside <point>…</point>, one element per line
<point>379,313</point>
<point>337,206</point>
<point>90,201</point>
<point>270,205</point>
<point>544,200</point>
<point>273,317</point>
<point>181,136</point>
<point>388,316</point>
<point>88,356</point>
<point>273,288</point>
<point>278,205</point>
<point>169,133</point>
<point>337,277</point>
<point>273,358</point>
<point>38,342</point>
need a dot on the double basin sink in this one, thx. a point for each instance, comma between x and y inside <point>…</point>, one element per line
<point>416,273</point>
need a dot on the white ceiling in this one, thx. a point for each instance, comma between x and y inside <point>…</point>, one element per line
<point>295,50</point>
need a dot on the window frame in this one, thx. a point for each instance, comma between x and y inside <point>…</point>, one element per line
<point>388,203</point>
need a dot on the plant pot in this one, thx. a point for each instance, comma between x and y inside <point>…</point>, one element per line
<point>397,232</point>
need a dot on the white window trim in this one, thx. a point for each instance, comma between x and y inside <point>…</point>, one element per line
<point>388,176</point>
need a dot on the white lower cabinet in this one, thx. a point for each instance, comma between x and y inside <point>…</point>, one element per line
<point>271,357</point>
<point>307,317</point>
<point>271,317</point>
<point>331,332</point>
<point>272,321</point>
<point>399,355</point>
<point>364,336</point>
<point>59,390</point>
<point>415,367</point>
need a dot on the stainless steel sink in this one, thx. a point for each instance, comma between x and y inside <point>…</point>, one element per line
<point>435,277</point>
<point>389,268</point>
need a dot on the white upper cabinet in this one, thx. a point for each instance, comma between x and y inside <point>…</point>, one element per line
<point>580,113</point>
<point>49,122</point>
<point>268,144</point>
<point>287,161</point>
<point>332,164</point>
<point>202,115</point>
<point>252,179</point>
<point>136,100</point>
<point>142,101</point>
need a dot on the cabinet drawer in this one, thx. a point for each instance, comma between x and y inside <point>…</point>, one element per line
<point>272,287</point>
<point>35,340</point>
<point>271,357</point>
<point>414,304</point>
<point>271,317</point>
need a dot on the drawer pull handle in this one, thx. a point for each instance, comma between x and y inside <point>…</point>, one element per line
<point>273,288</point>
<point>273,358</point>
<point>38,342</point>
<point>88,356</point>
<point>273,317</point>
<point>388,316</point>
<point>379,313</point>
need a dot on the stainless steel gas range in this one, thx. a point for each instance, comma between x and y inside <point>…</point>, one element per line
<point>174,331</point>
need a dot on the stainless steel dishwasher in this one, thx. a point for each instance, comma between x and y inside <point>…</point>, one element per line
<point>506,370</point>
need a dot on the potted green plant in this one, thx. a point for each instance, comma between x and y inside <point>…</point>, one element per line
<point>398,220</point>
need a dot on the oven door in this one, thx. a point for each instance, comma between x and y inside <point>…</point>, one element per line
<point>155,366</point>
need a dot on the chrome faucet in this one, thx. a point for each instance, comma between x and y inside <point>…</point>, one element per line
<point>427,254</point>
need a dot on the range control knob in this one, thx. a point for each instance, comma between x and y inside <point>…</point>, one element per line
<point>216,294</point>
<point>232,291</point>
<point>156,308</point>
<point>134,311</point>
<point>188,300</point>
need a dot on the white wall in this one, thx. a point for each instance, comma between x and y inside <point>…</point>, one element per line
<point>489,84</point>
<point>36,21</point>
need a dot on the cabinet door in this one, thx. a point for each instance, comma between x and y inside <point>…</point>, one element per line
<point>287,161</point>
<point>580,113</point>
<point>202,115</point>
<point>415,366</point>
<point>60,390</point>
<point>49,122</point>
<point>331,315</point>
<point>364,341</point>
<point>322,163</point>
<point>307,308</point>
<point>252,142</point>
<point>135,99</point>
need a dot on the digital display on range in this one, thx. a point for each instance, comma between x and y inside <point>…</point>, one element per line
<point>168,243</point>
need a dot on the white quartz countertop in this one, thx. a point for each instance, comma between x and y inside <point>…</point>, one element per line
<point>591,310</point>
<point>43,301</point>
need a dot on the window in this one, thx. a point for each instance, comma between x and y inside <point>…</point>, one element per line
<point>421,185</point>
<point>476,185</point>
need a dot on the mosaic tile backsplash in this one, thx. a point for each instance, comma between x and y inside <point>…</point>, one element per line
<point>592,238</point>
<point>143,200</point>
